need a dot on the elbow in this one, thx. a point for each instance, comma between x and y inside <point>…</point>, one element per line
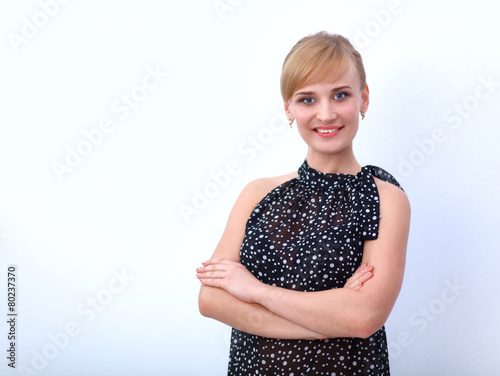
<point>366,331</point>
<point>204,303</point>
<point>369,323</point>
<point>362,325</point>
<point>203,308</point>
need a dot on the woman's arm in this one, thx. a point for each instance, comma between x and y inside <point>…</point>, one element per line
<point>339,312</point>
<point>247,317</point>
<point>255,319</point>
<point>251,317</point>
<point>218,304</point>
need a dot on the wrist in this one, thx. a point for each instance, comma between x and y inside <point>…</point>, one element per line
<point>268,296</point>
<point>259,293</point>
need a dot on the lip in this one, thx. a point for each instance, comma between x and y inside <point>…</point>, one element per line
<point>338,129</point>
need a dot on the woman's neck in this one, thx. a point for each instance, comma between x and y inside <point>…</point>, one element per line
<point>342,162</point>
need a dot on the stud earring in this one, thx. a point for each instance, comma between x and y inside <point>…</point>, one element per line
<point>362,115</point>
<point>291,122</point>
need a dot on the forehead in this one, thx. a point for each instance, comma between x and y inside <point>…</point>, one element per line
<point>332,80</point>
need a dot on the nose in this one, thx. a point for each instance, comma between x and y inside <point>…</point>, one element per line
<point>326,112</point>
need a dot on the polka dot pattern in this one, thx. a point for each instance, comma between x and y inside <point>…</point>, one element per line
<point>307,234</point>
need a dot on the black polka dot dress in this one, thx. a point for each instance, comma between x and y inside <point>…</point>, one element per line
<point>307,234</point>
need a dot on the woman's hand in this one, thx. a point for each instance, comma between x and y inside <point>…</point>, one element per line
<point>360,276</point>
<point>239,282</point>
<point>230,276</point>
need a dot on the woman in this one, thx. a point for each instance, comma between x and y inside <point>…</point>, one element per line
<point>311,263</point>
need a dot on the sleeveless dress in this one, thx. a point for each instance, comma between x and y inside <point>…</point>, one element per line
<point>307,234</point>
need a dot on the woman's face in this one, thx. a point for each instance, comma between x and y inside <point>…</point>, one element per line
<point>327,114</point>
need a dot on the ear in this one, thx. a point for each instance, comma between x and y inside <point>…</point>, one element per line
<point>288,110</point>
<point>365,98</point>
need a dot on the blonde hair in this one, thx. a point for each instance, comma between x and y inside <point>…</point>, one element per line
<point>318,57</point>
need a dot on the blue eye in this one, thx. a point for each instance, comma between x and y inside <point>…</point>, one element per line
<point>307,100</point>
<point>340,96</point>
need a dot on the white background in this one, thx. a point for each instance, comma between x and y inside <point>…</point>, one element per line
<point>126,206</point>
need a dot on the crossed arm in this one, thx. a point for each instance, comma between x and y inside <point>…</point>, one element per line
<point>232,295</point>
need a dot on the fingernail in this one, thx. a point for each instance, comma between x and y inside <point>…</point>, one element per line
<point>366,266</point>
<point>367,274</point>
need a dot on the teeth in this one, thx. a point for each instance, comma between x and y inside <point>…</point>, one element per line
<point>327,130</point>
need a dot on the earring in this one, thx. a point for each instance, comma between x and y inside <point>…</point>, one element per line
<point>291,122</point>
<point>362,115</point>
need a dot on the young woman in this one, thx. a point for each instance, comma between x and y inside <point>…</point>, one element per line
<point>311,263</point>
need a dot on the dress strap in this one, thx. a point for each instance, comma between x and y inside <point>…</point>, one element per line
<point>368,203</point>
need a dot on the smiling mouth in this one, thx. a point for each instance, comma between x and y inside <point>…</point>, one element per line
<point>327,130</point>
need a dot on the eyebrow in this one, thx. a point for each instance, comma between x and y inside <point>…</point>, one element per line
<point>312,92</point>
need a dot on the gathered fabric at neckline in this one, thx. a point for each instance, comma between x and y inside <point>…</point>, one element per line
<point>317,179</point>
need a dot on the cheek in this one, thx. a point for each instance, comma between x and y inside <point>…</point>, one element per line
<point>303,118</point>
<point>352,110</point>
<point>351,116</point>
<point>302,113</point>
<point>304,131</point>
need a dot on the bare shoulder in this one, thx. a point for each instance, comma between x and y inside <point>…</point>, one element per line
<point>230,243</point>
<point>257,189</point>
<point>392,197</point>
